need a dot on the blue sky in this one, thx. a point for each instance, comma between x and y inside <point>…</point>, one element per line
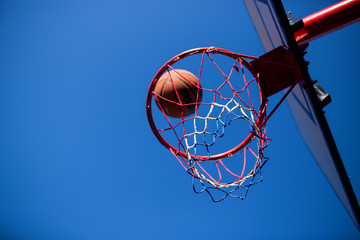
<point>79,161</point>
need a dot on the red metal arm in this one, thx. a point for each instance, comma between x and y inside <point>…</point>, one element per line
<point>328,20</point>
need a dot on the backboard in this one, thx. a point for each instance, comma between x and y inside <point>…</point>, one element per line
<point>274,29</point>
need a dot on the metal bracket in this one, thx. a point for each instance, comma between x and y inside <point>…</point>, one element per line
<point>323,96</point>
<point>277,70</point>
<point>295,22</point>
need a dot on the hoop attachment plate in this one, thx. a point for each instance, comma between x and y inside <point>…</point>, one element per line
<point>278,70</point>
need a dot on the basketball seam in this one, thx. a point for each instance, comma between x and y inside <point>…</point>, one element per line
<point>189,95</point>
<point>186,83</point>
<point>167,80</point>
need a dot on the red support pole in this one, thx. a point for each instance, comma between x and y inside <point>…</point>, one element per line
<point>328,20</point>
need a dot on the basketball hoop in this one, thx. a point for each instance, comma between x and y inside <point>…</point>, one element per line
<point>221,145</point>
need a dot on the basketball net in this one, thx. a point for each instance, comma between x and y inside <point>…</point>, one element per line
<point>222,144</point>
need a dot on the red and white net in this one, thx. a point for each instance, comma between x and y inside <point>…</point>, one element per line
<point>222,144</point>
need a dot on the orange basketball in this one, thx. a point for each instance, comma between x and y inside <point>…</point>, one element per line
<point>174,85</point>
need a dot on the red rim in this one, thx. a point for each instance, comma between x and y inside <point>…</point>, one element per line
<point>192,52</point>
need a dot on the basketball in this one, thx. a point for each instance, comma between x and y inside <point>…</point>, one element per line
<point>178,90</point>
